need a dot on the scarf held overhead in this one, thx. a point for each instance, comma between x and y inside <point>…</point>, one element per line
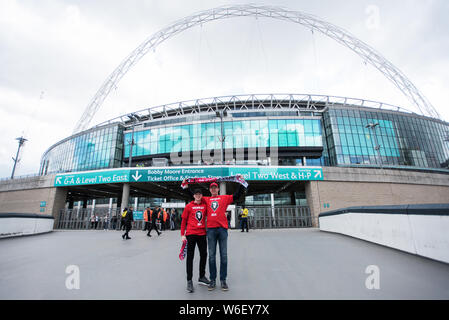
<point>237,179</point>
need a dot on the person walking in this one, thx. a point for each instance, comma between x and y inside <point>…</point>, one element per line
<point>147,219</point>
<point>154,217</point>
<point>172,219</point>
<point>122,219</point>
<point>92,221</point>
<point>159,218</point>
<point>114,222</point>
<point>105,222</point>
<point>96,221</point>
<point>193,229</point>
<point>244,219</point>
<point>128,219</point>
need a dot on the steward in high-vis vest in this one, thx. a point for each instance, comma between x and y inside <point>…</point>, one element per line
<point>245,219</point>
<point>164,219</point>
<point>122,218</point>
<point>128,218</point>
<point>147,219</point>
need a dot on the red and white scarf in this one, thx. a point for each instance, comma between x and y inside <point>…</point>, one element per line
<point>237,179</point>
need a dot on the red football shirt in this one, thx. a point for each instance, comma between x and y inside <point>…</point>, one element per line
<point>193,219</point>
<point>216,210</point>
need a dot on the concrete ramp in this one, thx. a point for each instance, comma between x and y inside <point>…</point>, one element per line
<point>263,264</point>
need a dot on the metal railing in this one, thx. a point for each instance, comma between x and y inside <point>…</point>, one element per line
<point>81,219</point>
<point>258,218</point>
<point>277,217</point>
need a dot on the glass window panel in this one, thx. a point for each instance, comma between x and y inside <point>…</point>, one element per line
<point>283,142</point>
<point>272,125</point>
<point>308,126</point>
<point>291,137</point>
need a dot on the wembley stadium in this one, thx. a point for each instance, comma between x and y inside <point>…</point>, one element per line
<point>301,154</point>
<point>267,138</point>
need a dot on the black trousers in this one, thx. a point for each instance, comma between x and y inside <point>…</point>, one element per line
<point>153,226</point>
<point>192,242</point>
<point>245,224</point>
<point>127,229</point>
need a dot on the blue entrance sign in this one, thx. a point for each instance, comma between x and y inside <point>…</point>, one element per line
<point>138,215</point>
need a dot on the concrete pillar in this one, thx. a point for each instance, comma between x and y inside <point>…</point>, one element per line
<point>136,202</point>
<point>110,209</point>
<point>58,203</point>
<point>313,200</point>
<point>125,197</point>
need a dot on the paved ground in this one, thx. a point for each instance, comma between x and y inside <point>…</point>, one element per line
<point>263,264</point>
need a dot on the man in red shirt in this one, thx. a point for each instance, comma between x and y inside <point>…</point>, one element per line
<point>193,229</point>
<point>217,231</point>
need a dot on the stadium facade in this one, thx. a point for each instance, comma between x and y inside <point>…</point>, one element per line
<point>307,130</point>
<point>302,155</point>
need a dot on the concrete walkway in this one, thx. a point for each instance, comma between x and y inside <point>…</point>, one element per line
<point>263,264</point>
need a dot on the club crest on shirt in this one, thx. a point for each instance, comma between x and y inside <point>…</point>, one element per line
<point>214,205</point>
<point>199,215</point>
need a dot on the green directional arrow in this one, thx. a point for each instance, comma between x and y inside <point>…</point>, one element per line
<point>318,173</point>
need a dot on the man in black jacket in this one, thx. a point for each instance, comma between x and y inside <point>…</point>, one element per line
<point>154,216</point>
<point>128,219</point>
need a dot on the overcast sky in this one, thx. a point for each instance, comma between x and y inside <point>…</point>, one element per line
<point>55,55</point>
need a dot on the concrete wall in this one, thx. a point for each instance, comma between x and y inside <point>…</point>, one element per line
<point>26,195</point>
<point>422,234</point>
<point>347,187</point>
<point>12,225</point>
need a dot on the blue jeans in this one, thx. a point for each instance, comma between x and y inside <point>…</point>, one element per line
<point>219,235</point>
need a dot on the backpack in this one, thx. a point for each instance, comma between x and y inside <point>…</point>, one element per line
<point>124,213</point>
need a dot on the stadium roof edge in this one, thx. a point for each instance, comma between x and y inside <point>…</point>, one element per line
<point>180,107</point>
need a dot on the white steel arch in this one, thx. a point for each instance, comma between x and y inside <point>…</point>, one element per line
<point>343,37</point>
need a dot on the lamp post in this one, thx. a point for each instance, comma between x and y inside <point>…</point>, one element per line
<point>372,126</point>
<point>16,159</point>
